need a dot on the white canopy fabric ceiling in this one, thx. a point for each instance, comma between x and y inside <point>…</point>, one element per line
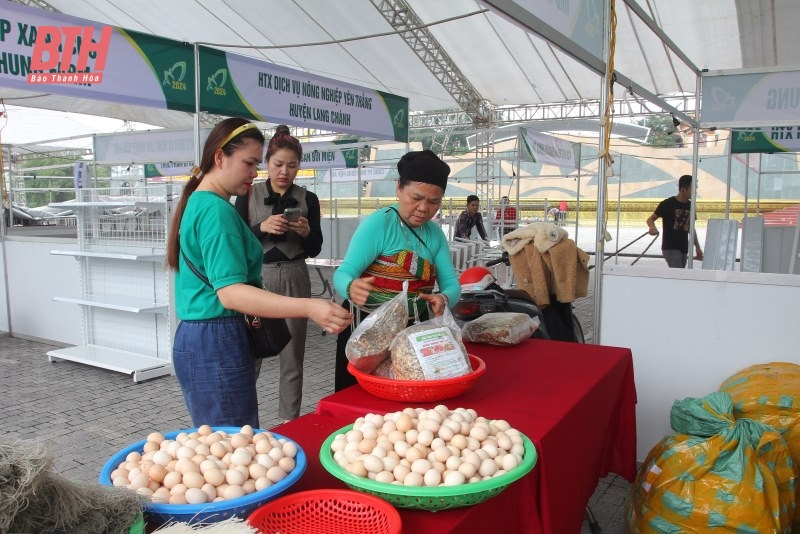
<point>506,64</point>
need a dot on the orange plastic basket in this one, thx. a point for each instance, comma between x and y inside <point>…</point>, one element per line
<point>419,390</point>
<point>328,511</point>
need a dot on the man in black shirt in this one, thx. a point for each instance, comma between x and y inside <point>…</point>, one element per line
<point>674,211</point>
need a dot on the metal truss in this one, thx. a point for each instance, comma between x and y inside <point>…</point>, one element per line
<point>479,111</point>
<point>584,109</point>
<point>403,19</point>
<point>37,3</point>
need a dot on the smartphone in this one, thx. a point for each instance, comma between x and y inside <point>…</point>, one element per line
<point>292,214</point>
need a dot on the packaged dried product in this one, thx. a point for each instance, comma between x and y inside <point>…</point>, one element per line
<point>369,343</point>
<point>431,350</point>
<point>506,328</point>
<point>384,369</point>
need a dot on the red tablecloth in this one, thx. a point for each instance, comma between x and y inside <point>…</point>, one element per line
<point>576,403</point>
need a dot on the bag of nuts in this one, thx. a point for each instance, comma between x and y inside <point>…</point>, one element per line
<point>506,328</point>
<point>430,350</point>
<point>369,343</point>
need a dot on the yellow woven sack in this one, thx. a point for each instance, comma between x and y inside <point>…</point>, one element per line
<point>769,393</point>
<point>714,474</point>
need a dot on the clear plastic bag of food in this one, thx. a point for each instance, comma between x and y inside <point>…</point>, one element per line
<point>369,343</point>
<point>506,328</point>
<point>430,350</point>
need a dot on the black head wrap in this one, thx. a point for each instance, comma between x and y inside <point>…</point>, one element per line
<point>424,166</point>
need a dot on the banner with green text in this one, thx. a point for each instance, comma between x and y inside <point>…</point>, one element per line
<point>237,85</point>
<point>766,140</point>
<point>137,68</point>
<point>134,68</point>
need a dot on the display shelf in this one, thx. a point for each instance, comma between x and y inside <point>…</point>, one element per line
<point>124,292</point>
<point>139,366</point>
<point>114,303</point>
<point>110,255</point>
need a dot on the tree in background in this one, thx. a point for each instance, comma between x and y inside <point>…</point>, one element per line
<point>663,132</point>
<point>51,177</point>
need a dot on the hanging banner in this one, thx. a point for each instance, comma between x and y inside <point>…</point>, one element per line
<point>107,63</point>
<point>368,174</point>
<point>118,66</point>
<point>579,21</point>
<point>333,155</point>
<point>239,85</point>
<point>80,174</point>
<point>157,170</point>
<point>751,99</point>
<point>546,149</point>
<point>766,140</point>
<point>153,146</point>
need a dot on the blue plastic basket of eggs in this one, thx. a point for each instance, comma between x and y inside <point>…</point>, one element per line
<point>159,513</point>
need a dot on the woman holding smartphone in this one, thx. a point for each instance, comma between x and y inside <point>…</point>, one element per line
<point>286,219</point>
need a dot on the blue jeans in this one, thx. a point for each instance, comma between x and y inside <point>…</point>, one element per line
<point>216,371</point>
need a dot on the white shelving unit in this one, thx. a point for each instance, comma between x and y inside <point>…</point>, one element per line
<point>127,320</point>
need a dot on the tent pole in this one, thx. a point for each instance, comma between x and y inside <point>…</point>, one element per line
<point>196,104</point>
<point>758,187</point>
<point>728,180</point>
<point>600,230</point>
<point>695,160</point>
<point>746,184</point>
<point>578,193</point>
<point>619,207</point>
<point>358,190</point>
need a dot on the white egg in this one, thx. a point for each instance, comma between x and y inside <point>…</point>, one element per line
<point>413,479</point>
<point>287,464</point>
<point>432,478</point>
<point>454,478</point>
<point>276,474</point>
<point>372,463</point>
<point>233,492</point>
<point>196,496</point>
<point>289,449</point>
<point>421,466</point>
<point>510,462</point>
<point>241,456</point>
<point>487,468</point>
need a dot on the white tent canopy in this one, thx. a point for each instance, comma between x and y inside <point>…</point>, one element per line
<point>506,64</point>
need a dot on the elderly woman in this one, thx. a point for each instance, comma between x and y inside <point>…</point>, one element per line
<point>396,244</point>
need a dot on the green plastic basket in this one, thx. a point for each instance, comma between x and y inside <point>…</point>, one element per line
<point>138,525</point>
<point>428,498</point>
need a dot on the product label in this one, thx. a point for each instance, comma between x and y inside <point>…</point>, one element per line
<point>439,354</point>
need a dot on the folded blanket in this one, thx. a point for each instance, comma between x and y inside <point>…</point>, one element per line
<point>543,235</point>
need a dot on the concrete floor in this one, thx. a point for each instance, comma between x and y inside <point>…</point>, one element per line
<point>86,414</point>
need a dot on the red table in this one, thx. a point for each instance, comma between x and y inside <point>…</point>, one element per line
<point>576,403</point>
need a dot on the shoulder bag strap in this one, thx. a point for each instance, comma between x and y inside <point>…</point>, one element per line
<point>195,271</point>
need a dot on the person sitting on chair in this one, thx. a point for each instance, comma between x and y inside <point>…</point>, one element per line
<point>471,218</point>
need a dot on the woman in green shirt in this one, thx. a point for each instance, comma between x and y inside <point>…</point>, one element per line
<point>211,355</point>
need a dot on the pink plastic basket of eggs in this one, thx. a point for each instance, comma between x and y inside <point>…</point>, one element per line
<point>159,513</point>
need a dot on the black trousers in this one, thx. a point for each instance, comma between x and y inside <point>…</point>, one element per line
<point>342,378</point>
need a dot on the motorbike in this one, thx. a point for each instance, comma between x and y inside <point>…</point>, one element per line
<point>481,294</point>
